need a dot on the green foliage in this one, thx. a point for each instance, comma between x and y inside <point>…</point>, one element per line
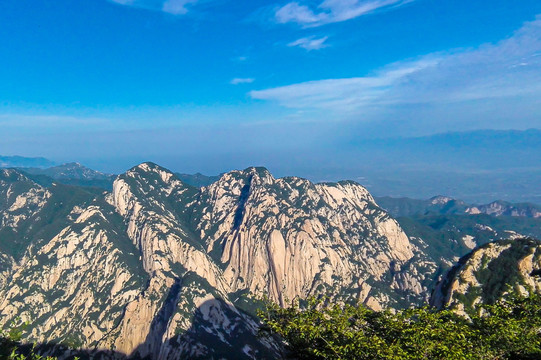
<point>504,330</point>
<point>511,329</point>
<point>11,348</point>
<point>443,233</point>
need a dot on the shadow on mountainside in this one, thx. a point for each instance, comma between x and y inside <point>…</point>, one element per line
<point>218,331</point>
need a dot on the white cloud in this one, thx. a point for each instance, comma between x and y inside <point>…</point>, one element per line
<point>124,2</point>
<point>341,94</point>
<point>175,7</point>
<point>293,12</point>
<point>237,81</point>
<point>508,69</point>
<point>331,11</point>
<point>310,43</point>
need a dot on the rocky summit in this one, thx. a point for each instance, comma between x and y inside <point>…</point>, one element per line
<point>156,268</point>
<point>489,273</point>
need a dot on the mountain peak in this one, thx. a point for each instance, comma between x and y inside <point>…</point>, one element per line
<point>440,199</point>
<point>12,175</point>
<point>73,165</point>
<point>259,171</point>
<point>253,175</point>
<point>149,166</point>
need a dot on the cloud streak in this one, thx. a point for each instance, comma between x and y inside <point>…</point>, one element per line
<point>331,11</point>
<point>310,43</point>
<point>508,69</point>
<point>342,94</point>
<point>237,81</point>
<point>174,7</point>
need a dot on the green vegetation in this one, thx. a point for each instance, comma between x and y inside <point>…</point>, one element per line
<point>11,348</point>
<point>48,222</point>
<point>503,273</point>
<point>444,233</point>
<point>508,329</point>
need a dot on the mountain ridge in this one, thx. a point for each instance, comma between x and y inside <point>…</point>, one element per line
<point>21,161</point>
<point>153,257</point>
<point>441,204</point>
<point>188,248</point>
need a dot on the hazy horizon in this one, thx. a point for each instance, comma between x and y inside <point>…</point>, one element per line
<point>477,166</point>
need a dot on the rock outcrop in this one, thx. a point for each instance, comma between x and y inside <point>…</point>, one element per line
<point>491,272</point>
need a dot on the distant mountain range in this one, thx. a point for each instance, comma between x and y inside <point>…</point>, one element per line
<point>70,174</point>
<point>77,174</point>
<point>477,167</point>
<point>24,162</point>
<point>480,150</point>
<point>445,205</point>
<point>198,180</point>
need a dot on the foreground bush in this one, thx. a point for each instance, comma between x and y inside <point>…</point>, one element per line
<point>506,330</point>
<point>11,347</point>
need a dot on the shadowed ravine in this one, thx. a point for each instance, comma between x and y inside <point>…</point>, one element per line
<point>242,343</point>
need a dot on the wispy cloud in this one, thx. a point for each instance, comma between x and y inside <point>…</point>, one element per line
<point>237,81</point>
<point>240,58</point>
<point>124,2</point>
<point>175,7</point>
<point>343,94</point>
<point>331,11</point>
<point>509,68</point>
<point>310,43</point>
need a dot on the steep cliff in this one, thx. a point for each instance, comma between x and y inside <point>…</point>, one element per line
<point>289,237</point>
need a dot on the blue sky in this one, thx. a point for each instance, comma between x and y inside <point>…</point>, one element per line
<point>210,85</point>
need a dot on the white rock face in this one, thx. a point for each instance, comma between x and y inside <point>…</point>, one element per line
<point>73,277</point>
<point>469,241</point>
<point>146,268</point>
<point>6,266</point>
<point>290,238</point>
<point>23,198</point>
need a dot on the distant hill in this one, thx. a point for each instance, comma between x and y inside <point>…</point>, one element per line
<point>24,162</point>
<point>408,207</point>
<point>198,179</point>
<point>70,174</point>
<point>499,208</point>
<point>443,226</point>
<point>475,166</point>
<point>480,150</point>
<point>444,205</point>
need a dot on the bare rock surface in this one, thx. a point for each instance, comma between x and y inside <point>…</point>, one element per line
<point>157,268</point>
